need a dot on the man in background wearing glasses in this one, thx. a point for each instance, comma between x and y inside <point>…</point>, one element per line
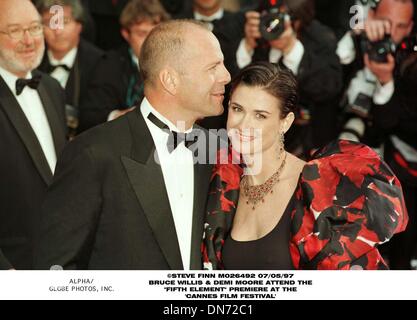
<point>32,130</point>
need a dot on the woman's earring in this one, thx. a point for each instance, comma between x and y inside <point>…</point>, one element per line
<point>281,143</point>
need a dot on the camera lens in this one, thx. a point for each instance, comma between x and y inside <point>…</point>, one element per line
<point>272,25</point>
<point>379,50</point>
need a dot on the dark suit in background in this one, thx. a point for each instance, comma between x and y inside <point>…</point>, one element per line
<point>335,14</point>
<point>105,15</point>
<point>24,171</point>
<point>118,216</point>
<point>229,32</point>
<point>115,84</point>
<point>88,56</point>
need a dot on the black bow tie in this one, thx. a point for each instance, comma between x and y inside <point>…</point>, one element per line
<point>52,68</point>
<point>31,83</point>
<point>209,23</point>
<point>175,138</point>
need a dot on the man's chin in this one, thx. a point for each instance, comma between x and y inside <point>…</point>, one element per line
<point>211,111</point>
<point>21,69</point>
<point>220,110</point>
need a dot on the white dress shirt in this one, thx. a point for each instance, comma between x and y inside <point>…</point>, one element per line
<point>383,92</point>
<point>178,172</point>
<point>366,82</point>
<point>31,105</point>
<point>292,60</point>
<point>60,74</point>
<point>346,49</point>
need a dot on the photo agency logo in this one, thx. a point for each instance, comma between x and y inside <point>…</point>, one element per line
<point>57,19</point>
<point>56,267</point>
<point>212,147</point>
<point>360,13</point>
<point>358,18</point>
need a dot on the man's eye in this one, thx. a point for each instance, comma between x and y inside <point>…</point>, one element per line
<point>260,116</point>
<point>236,109</point>
<point>15,30</point>
<point>35,29</point>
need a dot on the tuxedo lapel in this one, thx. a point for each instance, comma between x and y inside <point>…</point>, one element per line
<point>145,176</point>
<point>71,85</point>
<point>202,172</point>
<point>201,185</point>
<point>55,122</point>
<point>25,131</point>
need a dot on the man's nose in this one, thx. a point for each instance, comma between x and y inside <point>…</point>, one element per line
<point>27,38</point>
<point>225,77</point>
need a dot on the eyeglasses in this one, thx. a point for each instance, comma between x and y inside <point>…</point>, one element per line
<point>17,33</point>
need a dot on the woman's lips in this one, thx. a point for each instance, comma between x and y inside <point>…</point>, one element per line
<point>245,138</point>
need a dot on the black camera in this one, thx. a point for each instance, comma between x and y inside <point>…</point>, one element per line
<point>272,24</point>
<point>378,51</point>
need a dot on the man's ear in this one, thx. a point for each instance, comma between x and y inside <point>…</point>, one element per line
<point>79,27</point>
<point>125,34</point>
<point>169,80</point>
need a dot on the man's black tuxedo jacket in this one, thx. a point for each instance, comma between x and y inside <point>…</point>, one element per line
<point>108,207</point>
<point>80,75</point>
<point>24,171</point>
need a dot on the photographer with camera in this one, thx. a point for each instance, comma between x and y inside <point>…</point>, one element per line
<point>371,65</point>
<point>286,32</point>
<point>382,104</point>
<point>397,118</point>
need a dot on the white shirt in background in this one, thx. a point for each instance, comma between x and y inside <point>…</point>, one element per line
<point>60,74</point>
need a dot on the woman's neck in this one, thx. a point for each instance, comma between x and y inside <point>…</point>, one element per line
<point>262,166</point>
